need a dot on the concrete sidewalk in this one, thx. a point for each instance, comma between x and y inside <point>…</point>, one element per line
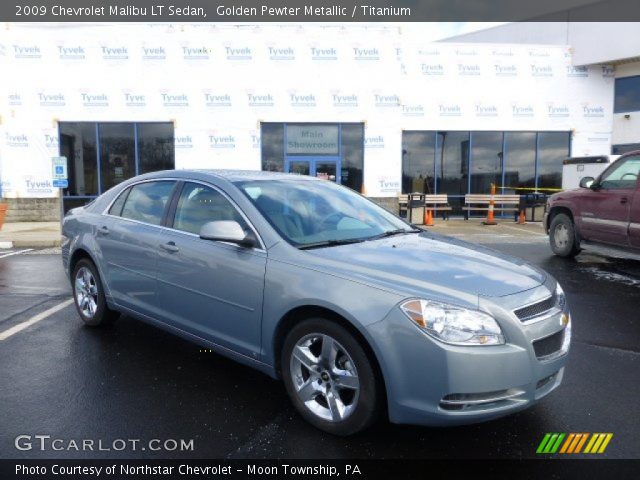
<point>30,235</point>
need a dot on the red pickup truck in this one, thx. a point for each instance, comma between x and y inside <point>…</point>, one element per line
<point>603,211</point>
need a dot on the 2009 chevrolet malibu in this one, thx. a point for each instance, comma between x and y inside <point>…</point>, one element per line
<point>354,309</point>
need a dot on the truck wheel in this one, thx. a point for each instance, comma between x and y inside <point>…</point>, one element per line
<point>562,236</point>
<point>329,377</point>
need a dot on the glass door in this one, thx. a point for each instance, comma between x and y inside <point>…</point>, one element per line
<point>327,168</point>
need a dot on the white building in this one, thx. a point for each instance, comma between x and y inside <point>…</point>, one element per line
<point>371,107</point>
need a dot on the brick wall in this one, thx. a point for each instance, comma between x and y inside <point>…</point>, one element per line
<point>32,209</point>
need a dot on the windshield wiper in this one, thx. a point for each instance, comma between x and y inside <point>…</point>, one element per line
<point>330,243</point>
<point>397,231</point>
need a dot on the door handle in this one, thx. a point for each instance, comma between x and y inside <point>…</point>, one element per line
<point>103,230</point>
<point>169,247</point>
<point>624,200</point>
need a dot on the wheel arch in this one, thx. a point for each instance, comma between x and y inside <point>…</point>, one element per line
<point>555,211</point>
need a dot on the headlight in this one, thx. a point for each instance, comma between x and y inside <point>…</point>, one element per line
<point>454,325</point>
<point>561,299</point>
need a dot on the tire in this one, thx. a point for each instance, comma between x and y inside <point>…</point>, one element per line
<point>339,392</point>
<point>90,301</point>
<point>562,236</point>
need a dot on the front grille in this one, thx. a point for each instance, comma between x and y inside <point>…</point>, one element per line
<point>549,345</point>
<point>536,309</point>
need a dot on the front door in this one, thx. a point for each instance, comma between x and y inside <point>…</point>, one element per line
<point>327,168</point>
<point>606,211</point>
<point>634,219</point>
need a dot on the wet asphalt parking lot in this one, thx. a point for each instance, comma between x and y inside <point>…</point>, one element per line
<point>133,381</point>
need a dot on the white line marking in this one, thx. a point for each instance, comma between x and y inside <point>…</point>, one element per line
<point>35,319</point>
<point>523,230</point>
<point>16,253</point>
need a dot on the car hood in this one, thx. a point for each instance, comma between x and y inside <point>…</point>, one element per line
<point>428,262</point>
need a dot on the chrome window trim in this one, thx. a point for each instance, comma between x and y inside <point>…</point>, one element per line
<point>106,213</point>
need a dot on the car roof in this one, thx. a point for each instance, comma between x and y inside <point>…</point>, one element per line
<point>231,175</point>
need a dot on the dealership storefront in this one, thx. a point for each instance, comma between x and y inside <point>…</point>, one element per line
<point>367,107</point>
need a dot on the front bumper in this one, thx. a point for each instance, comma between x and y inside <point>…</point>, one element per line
<point>432,383</point>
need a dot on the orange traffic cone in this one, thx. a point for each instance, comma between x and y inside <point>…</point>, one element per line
<point>490,220</point>
<point>428,218</point>
<point>521,218</point>
<point>363,191</point>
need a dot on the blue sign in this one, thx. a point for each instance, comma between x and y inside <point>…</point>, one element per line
<point>60,183</point>
<point>59,170</point>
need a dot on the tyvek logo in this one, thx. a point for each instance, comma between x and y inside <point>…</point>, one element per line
<point>581,71</point>
<point>114,53</point>
<point>175,100</point>
<point>557,111</point>
<point>234,53</point>
<point>468,69</point>
<point>260,100</point>
<point>466,52</point>
<point>51,141</point>
<point>432,69</point>
<point>541,71</point>
<point>20,140</point>
<point>589,111</point>
<point>483,110</point>
<point>386,100</point>
<point>195,53</point>
<point>376,141</point>
<point>217,100</point>
<point>255,140</point>
<point>449,110</point>
<point>95,99</point>
<point>51,99</point>
<point>539,52</point>
<point>505,70</point>
<point>281,53</point>
<point>502,52</point>
<point>38,186</point>
<point>608,71</point>
<point>183,141</point>
<point>14,99</point>
<point>154,53</point>
<point>135,100</point>
<point>387,185</point>
<point>429,52</point>
<point>222,141</point>
<point>297,100</point>
<point>344,100</point>
<point>413,110</point>
<point>365,54</point>
<point>522,110</point>
<point>324,53</point>
<point>26,51</point>
<point>71,53</point>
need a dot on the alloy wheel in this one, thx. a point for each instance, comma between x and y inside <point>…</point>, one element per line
<point>86,291</point>
<point>325,377</point>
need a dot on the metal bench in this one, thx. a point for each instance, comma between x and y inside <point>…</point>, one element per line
<point>480,202</point>
<point>436,202</point>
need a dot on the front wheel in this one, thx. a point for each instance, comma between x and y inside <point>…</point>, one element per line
<point>562,236</point>
<point>329,377</point>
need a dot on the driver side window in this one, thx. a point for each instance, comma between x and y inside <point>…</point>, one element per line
<point>624,175</point>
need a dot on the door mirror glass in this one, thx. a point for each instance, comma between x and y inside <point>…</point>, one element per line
<point>586,182</point>
<point>227,231</point>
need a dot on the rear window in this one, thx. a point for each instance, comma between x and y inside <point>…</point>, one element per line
<point>146,202</point>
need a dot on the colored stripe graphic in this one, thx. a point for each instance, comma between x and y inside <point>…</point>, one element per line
<point>572,443</point>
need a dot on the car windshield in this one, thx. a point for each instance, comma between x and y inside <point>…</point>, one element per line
<point>312,214</point>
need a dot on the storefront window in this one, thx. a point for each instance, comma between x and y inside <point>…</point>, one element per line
<point>486,161</point>
<point>627,94</point>
<point>353,155</point>
<point>520,159</point>
<point>155,147</point>
<point>117,153</point>
<point>553,148</point>
<point>78,144</point>
<point>272,146</point>
<point>418,162</point>
<point>452,162</point>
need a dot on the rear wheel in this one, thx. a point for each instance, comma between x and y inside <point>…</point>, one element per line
<point>329,377</point>
<point>562,236</point>
<point>88,295</point>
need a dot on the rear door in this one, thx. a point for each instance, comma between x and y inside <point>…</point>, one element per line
<point>634,219</point>
<point>605,213</point>
<point>211,289</point>
<point>129,244</point>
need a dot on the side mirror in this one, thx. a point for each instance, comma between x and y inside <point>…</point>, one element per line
<point>228,231</point>
<point>586,182</point>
